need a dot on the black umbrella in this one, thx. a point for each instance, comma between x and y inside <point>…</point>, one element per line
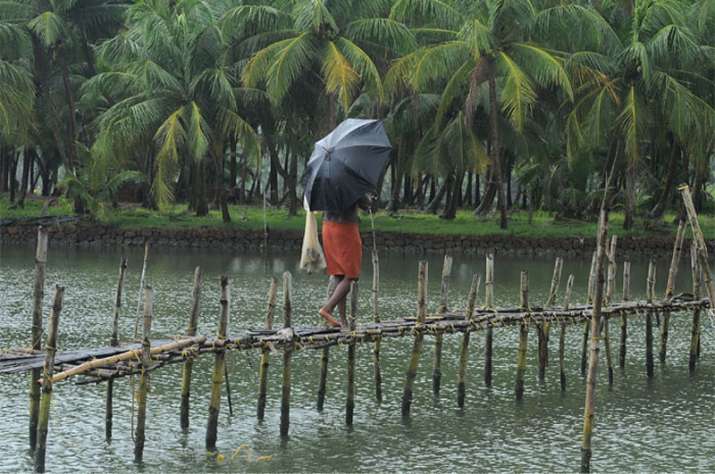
<point>346,164</point>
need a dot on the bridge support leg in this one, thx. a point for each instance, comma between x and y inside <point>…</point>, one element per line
<point>287,355</point>
<point>47,372</point>
<point>189,364</point>
<point>38,295</point>
<point>523,339</point>
<point>219,369</point>
<point>265,356</point>
<point>419,336</point>
<point>649,322</point>
<point>143,387</point>
<point>350,399</point>
<point>464,349</point>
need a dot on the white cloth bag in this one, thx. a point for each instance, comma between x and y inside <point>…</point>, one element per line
<point>311,256</point>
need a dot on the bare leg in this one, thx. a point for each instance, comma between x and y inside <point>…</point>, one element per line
<point>338,296</point>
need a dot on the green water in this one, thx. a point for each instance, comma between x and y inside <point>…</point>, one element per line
<point>662,425</point>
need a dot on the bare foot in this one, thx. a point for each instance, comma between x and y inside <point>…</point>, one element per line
<point>332,322</point>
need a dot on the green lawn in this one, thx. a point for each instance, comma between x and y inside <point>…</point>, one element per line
<point>252,218</point>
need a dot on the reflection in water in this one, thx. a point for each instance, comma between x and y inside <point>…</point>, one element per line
<point>664,425</point>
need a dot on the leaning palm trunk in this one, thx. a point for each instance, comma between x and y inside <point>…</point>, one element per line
<point>495,150</point>
<point>630,190</point>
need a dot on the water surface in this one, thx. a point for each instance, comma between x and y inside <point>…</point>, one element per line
<point>660,425</point>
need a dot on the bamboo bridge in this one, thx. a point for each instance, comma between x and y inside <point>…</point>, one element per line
<point>143,355</point>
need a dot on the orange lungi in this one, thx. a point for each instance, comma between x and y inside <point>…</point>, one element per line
<point>342,245</point>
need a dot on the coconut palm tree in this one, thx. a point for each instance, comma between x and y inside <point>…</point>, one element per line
<point>172,97</point>
<point>489,45</point>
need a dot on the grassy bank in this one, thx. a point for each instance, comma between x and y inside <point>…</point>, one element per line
<point>412,222</point>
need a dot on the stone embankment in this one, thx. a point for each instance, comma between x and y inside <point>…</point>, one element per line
<point>86,234</point>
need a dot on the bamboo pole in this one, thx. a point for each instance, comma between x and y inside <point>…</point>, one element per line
<point>587,324</point>
<point>419,336</point>
<point>562,334</point>
<point>464,349</point>
<point>438,340</point>
<point>376,317</point>
<point>590,402</point>
<point>109,409</point>
<point>350,399</point>
<point>669,288</point>
<point>543,330</point>
<point>265,353</point>
<point>126,356</point>
<point>218,372</point>
<point>649,321</point>
<point>287,354</point>
<point>189,364</point>
<point>143,388</point>
<point>489,303</point>
<point>523,338</point>
<point>48,369</point>
<point>36,333</point>
<point>699,239</point>
<point>142,280</point>
<point>325,357</point>
<point>624,318</point>
<point>610,288</point>
<point>697,290</point>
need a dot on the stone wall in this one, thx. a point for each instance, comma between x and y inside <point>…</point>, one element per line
<point>85,234</point>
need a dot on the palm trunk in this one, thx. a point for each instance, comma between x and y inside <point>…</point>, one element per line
<point>662,203</point>
<point>438,196</point>
<point>485,202</point>
<point>26,163</point>
<point>630,208</point>
<point>292,160</point>
<point>495,149</point>
<point>13,181</point>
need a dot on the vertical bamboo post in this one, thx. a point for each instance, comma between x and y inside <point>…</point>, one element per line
<point>47,372</point>
<point>189,364</point>
<point>419,336</point>
<point>624,318</point>
<point>523,339</point>
<point>287,353</point>
<point>265,353</point>
<point>109,409</point>
<point>143,388</point>
<point>464,349</point>
<point>142,280</point>
<point>699,239</point>
<point>669,288</point>
<point>438,339</point>
<point>543,329</point>
<point>36,333</point>
<point>590,402</point>
<point>376,316</point>
<point>649,321</point>
<point>325,357</point>
<point>350,399</point>
<point>695,331</point>
<point>489,303</point>
<point>562,334</point>
<point>610,288</point>
<point>218,372</point>
<point>587,324</point>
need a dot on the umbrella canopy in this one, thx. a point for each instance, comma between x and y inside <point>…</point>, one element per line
<point>346,164</point>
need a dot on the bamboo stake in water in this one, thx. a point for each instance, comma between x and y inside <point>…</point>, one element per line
<point>590,402</point>
<point>350,400</point>
<point>587,324</point>
<point>489,303</point>
<point>670,287</point>
<point>543,330</point>
<point>36,334</point>
<point>48,370</point>
<point>464,349</point>
<point>444,296</point>
<point>143,388</point>
<point>287,354</point>
<point>219,371</point>
<point>624,318</point>
<point>376,316</point>
<point>562,334</point>
<point>109,410</point>
<point>189,364</point>
<point>649,321</point>
<point>695,331</point>
<point>325,356</point>
<point>142,280</point>
<point>610,288</point>
<point>523,338</point>
<point>265,353</point>
<point>419,336</point>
